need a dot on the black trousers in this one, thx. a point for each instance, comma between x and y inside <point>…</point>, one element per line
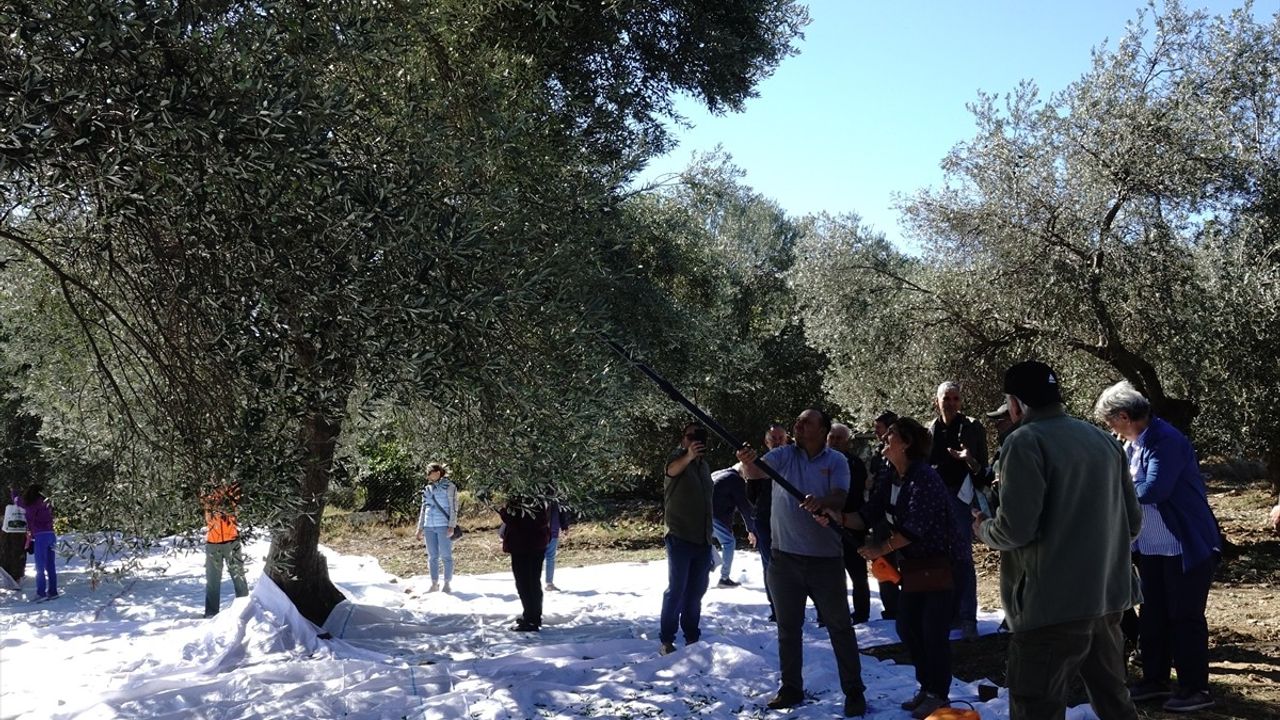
<point>856,568</point>
<point>1174,632</point>
<point>924,624</point>
<point>527,570</point>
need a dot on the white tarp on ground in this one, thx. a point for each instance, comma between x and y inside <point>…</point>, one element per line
<point>138,647</point>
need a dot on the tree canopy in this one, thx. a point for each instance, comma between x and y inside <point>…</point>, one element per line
<point>241,214</point>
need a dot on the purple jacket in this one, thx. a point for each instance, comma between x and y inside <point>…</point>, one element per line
<point>525,534</point>
<point>39,514</point>
<point>922,513</point>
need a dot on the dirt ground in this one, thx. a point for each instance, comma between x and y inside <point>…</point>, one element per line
<point>1243,610</point>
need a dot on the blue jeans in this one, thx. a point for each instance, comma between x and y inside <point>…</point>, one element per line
<point>439,547</point>
<point>550,558</point>
<point>46,570</point>
<point>924,624</point>
<point>687,567</point>
<point>724,535</point>
<point>965,604</point>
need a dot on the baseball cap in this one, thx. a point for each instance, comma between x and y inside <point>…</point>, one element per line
<point>1002,411</point>
<point>1033,382</point>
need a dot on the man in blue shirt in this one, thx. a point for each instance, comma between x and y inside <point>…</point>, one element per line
<point>808,558</point>
<point>728,494</point>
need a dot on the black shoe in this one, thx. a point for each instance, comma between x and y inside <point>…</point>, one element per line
<point>858,619</point>
<point>787,697</point>
<point>888,616</point>
<point>1149,691</point>
<point>666,648</point>
<point>1189,701</point>
<point>855,706</point>
<point>773,618</point>
<point>914,702</point>
<point>726,582</point>
<point>522,626</point>
<point>928,705</point>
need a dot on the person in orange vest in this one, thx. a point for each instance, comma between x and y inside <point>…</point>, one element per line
<point>222,545</point>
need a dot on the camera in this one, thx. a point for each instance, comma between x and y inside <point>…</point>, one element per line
<point>699,435</point>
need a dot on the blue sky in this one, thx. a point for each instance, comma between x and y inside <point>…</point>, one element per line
<point>877,95</point>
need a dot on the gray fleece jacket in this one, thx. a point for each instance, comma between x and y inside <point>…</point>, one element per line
<point>1068,513</point>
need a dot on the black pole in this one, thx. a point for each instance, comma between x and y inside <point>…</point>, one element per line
<point>702,416</point>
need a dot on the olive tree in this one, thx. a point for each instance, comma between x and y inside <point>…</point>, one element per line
<point>1115,229</point>
<point>242,215</point>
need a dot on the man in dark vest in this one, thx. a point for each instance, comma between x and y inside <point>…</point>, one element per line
<point>953,431</point>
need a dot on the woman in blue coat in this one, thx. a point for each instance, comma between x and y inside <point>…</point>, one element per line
<point>1177,550</point>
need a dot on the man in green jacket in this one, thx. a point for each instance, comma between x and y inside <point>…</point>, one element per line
<point>1068,514</point>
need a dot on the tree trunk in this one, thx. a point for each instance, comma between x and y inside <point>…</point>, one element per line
<point>1273,467</point>
<point>295,562</point>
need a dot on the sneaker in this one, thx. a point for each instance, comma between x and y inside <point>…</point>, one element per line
<point>968,631</point>
<point>1149,691</point>
<point>435,587</point>
<point>726,582</point>
<point>914,702</point>
<point>928,704</point>
<point>447,588</point>
<point>786,697</point>
<point>1189,701</point>
<point>667,648</point>
<point>855,705</point>
<point>551,587</point>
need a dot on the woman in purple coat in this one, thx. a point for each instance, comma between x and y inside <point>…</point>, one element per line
<point>526,532</point>
<point>929,544</point>
<point>40,526</point>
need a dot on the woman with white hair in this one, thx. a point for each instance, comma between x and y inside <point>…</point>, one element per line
<point>1177,550</point>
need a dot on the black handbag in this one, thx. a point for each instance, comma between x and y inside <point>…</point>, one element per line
<point>931,574</point>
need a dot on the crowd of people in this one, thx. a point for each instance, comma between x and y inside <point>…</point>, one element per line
<point>1090,523</point>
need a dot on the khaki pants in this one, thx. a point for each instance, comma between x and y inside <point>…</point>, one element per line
<point>1043,661</point>
<point>215,554</point>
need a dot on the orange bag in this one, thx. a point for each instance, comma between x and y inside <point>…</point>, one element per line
<point>884,571</point>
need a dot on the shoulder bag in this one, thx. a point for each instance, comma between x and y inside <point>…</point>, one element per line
<point>931,574</point>
<point>457,529</point>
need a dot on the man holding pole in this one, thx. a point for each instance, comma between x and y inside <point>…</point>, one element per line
<point>686,493</point>
<point>808,557</point>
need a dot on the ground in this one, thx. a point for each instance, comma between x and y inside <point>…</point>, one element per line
<point>1243,612</point>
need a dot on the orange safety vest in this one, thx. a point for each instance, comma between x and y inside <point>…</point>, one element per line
<point>219,514</point>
